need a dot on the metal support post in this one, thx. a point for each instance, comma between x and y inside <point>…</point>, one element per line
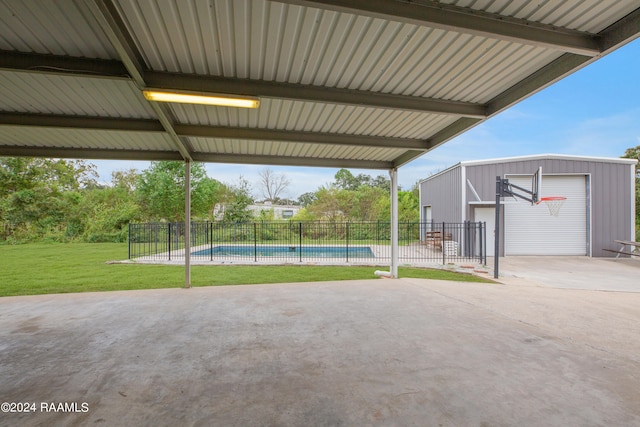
<point>393,174</point>
<point>187,224</point>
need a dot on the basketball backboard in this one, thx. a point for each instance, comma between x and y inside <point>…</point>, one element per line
<point>536,186</point>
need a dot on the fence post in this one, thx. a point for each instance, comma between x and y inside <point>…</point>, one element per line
<point>169,239</point>
<point>255,242</point>
<point>478,227</point>
<point>444,252</point>
<point>467,238</point>
<point>300,238</point>
<point>129,237</point>
<point>347,236</point>
<point>483,243</point>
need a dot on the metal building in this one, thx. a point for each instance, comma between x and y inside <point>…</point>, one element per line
<point>599,206</point>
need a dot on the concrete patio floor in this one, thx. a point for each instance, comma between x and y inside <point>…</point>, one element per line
<point>572,272</point>
<point>405,352</point>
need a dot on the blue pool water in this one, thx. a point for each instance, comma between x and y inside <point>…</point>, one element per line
<point>286,251</point>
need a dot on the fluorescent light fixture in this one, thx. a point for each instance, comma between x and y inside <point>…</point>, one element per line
<point>188,98</point>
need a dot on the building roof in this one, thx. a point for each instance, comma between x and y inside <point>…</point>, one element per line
<point>549,157</point>
<point>534,157</point>
<point>349,83</point>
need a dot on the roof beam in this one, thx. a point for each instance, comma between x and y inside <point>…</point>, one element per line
<point>80,122</point>
<point>290,161</point>
<point>265,89</point>
<point>456,128</point>
<point>115,30</point>
<point>33,62</point>
<point>613,37</point>
<point>300,137</point>
<point>186,130</point>
<point>88,153</point>
<point>56,64</point>
<point>622,32</point>
<point>465,20</point>
<point>151,155</point>
<point>541,79</point>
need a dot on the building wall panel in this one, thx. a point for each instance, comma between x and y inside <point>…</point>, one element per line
<point>443,193</point>
<point>611,191</point>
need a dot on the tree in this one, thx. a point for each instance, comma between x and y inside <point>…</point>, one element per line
<point>104,214</point>
<point>382,182</point>
<point>634,153</point>
<point>345,180</point>
<point>236,200</point>
<point>37,195</point>
<point>161,191</point>
<point>359,198</point>
<point>273,184</point>
<point>326,206</point>
<point>370,204</point>
<point>126,179</point>
<point>307,199</point>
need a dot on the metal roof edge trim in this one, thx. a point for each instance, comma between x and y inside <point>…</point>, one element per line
<point>450,168</point>
<point>548,156</point>
<point>290,161</point>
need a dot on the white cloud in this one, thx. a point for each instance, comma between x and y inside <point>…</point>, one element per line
<point>608,136</point>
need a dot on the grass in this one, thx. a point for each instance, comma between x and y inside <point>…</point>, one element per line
<point>40,268</point>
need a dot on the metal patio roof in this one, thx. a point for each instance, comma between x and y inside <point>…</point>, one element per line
<point>353,83</point>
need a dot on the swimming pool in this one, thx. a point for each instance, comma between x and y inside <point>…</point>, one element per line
<point>287,251</point>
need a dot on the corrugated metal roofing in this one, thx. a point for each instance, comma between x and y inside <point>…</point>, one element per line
<point>334,77</point>
<point>62,27</point>
<point>317,117</point>
<point>72,95</point>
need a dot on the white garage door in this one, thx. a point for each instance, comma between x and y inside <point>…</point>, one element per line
<point>530,230</point>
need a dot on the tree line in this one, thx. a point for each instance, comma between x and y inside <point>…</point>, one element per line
<point>634,153</point>
<point>62,200</point>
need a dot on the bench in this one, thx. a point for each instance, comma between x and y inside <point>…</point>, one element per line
<point>624,244</point>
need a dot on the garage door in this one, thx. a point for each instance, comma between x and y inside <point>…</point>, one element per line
<point>530,230</point>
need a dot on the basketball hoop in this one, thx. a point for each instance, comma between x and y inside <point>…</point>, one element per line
<point>554,204</point>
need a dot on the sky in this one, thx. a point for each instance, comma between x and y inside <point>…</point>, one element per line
<point>593,112</point>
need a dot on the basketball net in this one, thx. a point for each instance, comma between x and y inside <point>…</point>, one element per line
<point>554,204</point>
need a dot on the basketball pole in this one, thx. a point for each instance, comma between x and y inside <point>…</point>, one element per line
<point>496,237</point>
<point>505,189</point>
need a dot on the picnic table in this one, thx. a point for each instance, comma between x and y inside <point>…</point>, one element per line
<point>623,244</point>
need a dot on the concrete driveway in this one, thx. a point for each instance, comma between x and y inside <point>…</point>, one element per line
<point>405,352</point>
<point>605,274</point>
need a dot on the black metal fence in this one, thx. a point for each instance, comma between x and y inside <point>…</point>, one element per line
<point>288,242</point>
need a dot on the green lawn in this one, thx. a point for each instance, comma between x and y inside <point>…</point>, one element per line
<point>81,267</point>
